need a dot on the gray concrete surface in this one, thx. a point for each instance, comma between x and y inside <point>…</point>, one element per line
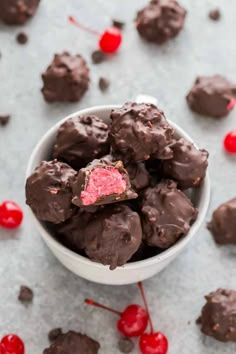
<point>176,295</point>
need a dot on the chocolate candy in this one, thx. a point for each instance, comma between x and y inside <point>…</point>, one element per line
<point>66,79</point>
<point>48,191</point>
<point>223,223</point>
<point>211,95</point>
<point>138,175</point>
<point>15,12</point>
<point>160,21</point>
<point>140,131</point>
<point>73,342</point>
<point>187,166</point>
<point>218,318</point>
<point>113,235</point>
<point>102,182</point>
<point>80,140</point>
<point>167,214</point>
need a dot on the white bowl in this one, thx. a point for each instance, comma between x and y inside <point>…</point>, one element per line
<point>130,272</point>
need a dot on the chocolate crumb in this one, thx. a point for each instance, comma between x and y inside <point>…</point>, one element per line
<point>4,119</point>
<point>54,334</point>
<point>22,38</point>
<point>103,84</point>
<point>98,56</point>
<point>118,24</point>
<point>125,345</point>
<point>214,14</point>
<point>26,294</point>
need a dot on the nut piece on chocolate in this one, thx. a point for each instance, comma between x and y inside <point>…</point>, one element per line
<point>48,191</point>
<point>140,131</point>
<point>26,294</point>
<point>160,20</point>
<point>80,140</point>
<point>138,175</point>
<point>218,318</point>
<point>17,12</point>
<point>102,182</point>
<point>188,165</point>
<point>223,223</point>
<point>73,343</point>
<point>113,235</point>
<point>167,214</point>
<point>211,95</point>
<point>66,79</point>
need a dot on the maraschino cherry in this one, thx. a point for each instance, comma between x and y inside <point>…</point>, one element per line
<point>231,104</point>
<point>12,344</point>
<point>11,215</point>
<point>133,320</point>
<point>2,349</point>
<point>153,342</point>
<point>230,142</point>
<point>109,40</point>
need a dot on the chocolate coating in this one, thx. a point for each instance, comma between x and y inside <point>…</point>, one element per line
<point>113,235</point>
<point>48,191</point>
<point>140,131</point>
<point>218,318</point>
<point>66,79</point>
<point>17,12</point>
<point>210,95</point>
<point>82,180</point>
<point>80,140</point>
<point>223,223</point>
<point>167,214</point>
<point>73,342</point>
<point>188,165</point>
<point>160,20</point>
<point>138,175</point>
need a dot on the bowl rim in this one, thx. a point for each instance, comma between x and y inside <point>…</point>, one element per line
<point>174,249</point>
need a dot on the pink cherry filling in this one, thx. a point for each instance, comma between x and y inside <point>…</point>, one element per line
<point>103,182</point>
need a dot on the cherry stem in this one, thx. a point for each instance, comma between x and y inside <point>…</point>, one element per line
<point>96,304</point>
<point>77,24</point>
<point>140,285</point>
<point>231,104</point>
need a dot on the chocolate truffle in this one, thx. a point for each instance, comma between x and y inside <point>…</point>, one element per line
<point>211,95</point>
<point>140,131</point>
<point>66,79</point>
<point>73,343</point>
<point>218,318</point>
<point>113,235</point>
<point>160,20</point>
<point>167,214</point>
<point>102,182</point>
<point>188,165</point>
<point>80,140</point>
<point>17,12</point>
<point>138,175</point>
<point>48,191</point>
<point>223,223</point>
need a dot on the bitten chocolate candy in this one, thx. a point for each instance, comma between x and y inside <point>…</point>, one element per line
<point>187,166</point>
<point>223,223</point>
<point>102,182</point>
<point>218,318</point>
<point>73,343</point>
<point>167,214</point>
<point>140,131</point>
<point>66,79</point>
<point>48,191</point>
<point>211,95</point>
<point>160,20</point>
<point>81,139</point>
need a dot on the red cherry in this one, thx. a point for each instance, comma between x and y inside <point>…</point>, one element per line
<point>230,142</point>
<point>133,320</point>
<point>110,40</point>
<point>153,343</point>
<point>13,344</point>
<point>2,349</point>
<point>11,215</point>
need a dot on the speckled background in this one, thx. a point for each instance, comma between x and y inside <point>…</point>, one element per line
<point>176,295</point>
